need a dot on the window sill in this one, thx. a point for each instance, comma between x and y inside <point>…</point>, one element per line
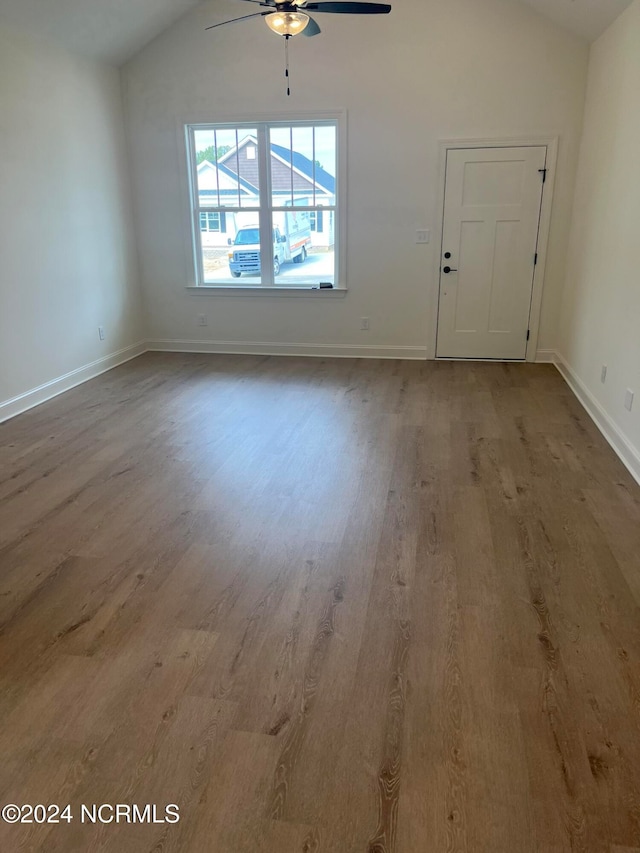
<point>324,293</point>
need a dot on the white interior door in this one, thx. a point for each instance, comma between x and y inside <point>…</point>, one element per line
<point>491,218</point>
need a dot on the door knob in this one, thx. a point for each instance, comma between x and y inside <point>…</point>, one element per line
<point>447,270</point>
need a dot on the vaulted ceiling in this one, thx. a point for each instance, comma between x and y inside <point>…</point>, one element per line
<point>587,18</point>
<point>114,30</point>
<point>109,30</point>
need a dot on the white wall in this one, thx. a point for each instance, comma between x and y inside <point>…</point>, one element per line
<point>67,257</point>
<point>430,70</point>
<point>600,321</point>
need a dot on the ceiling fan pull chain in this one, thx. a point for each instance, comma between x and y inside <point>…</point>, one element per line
<point>286,62</point>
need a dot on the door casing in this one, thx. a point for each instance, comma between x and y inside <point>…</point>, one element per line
<point>551,143</point>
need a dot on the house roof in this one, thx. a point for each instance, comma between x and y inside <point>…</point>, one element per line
<point>226,187</point>
<point>305,166</point>
<point>302,164</point>
<point>115,30</point>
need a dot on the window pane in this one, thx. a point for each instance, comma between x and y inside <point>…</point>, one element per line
<point>301,257</point>
<point>292,165</point>
<point>227,167</point>
<point>325,162</point>
<point>238,263</point>
<point>303,165</point>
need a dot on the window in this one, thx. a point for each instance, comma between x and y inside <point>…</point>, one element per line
<point>316,221</point>
<point>265,184</point>
<point>212,221</point>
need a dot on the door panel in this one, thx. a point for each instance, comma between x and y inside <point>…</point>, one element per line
<point>491,216</point>
<point>503,297</point>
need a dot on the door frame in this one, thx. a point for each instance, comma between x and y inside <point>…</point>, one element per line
<point>551,144</point>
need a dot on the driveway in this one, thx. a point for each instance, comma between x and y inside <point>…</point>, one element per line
<point>317,267</point>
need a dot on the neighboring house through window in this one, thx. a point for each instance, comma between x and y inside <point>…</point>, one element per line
<point>265,183</point>
<point>316,221</point>
<point>213,221</point>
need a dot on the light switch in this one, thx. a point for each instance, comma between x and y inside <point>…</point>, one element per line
<point>628,399</point>
<point>422,235</point>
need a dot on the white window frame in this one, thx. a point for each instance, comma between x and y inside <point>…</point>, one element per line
<point>267,208</point>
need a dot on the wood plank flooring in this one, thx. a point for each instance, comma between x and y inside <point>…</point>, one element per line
<point>323,606</point>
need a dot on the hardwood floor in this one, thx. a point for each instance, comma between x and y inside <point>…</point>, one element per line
<point>323,606</point>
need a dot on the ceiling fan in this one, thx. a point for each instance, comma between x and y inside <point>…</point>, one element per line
<point>286,18</point>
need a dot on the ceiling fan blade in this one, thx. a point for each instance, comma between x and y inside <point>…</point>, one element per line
<point>312,28</point>
<point>349,8</point>
<point>270,3</point>
<point>243,18</point>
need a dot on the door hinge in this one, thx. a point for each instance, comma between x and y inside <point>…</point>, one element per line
<point>543,172</point>
<point>528,333</point>
<point>535,259</point>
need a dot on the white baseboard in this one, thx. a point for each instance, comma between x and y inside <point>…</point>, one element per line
<point>317,350</point>
<point>23,402</point>
<point>627,452</point>
<point>546,356</point>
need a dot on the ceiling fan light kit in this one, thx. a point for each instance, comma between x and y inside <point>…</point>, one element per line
<point>287,23</point>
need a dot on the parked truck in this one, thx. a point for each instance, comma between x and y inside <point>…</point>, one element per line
<point>291,242</point>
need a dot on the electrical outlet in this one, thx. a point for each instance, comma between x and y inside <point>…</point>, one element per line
<point>628,399</point>
<point>364,324</point>
<point>603,374</point>
<point>101,332</point>
<point>202,320</point>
